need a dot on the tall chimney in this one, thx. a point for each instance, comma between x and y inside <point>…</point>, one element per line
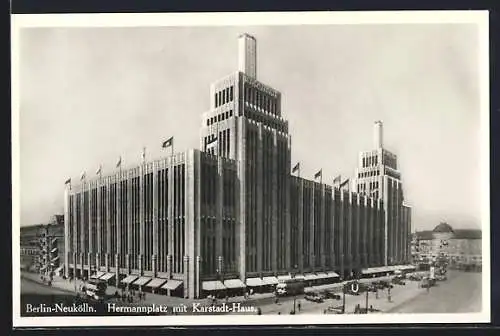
<point>247,55</point>
<point>378,134</point>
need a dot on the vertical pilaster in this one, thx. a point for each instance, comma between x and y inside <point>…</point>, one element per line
<point>274,239</point>
<point>99,226</point>
<point>75,234</point>
<point>129,222</point>
<point>342,239</point>
<point>259,197</point>
<point>91,224</point>
<point>219,196</point>
<point>108,225</point>
<point>82,226</point>
<point>171,203</point>
<point>312,229</point>
<point>117,205</point>
<point>66,231</point>
<point>322,227</point>
<point>154,257</point>
<point>288,224</point>
<point>191,215</point>
<point>300,225</point>
<point>242,162</point>
<point>142,224</point>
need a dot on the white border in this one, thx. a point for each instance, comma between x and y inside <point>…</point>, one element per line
<point>479,18</point>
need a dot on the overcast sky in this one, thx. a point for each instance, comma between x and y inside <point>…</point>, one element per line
<point>89,95</point>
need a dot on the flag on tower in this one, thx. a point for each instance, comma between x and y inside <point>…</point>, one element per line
<point>98,172</point>
<point>119,163</point>
<point>82,177</point>
<point>344,183</point>
<point>318,174</point>
<point>212,143</point>
<point>296,168</point>
<point>143,154</point>
<point>168,143</point>
<point>68,181</point>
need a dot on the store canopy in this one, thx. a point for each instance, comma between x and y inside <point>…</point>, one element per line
<point>172,284</point>
<point>322,275</point>
<point>332,275</point>
<point>234,283</point>
<point>142,281</point>
<point>156,282</point>
<point>129,279</point>
<point>376,270</point>
<point>97,275</point>
<point>299,276</point>
<point>213,285</point>
<point>284,277</point>
<point>107,276</point>
<point>310,276</point>
<point>255,282</point>
<point>270,280</point>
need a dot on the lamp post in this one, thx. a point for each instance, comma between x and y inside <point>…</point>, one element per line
<point>367,301</point>
<point>343,296</point>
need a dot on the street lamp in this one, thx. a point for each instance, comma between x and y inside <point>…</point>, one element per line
<point>343,296</point>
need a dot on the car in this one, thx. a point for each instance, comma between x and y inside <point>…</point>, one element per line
<point>331,295</point>
<point>314,297</point>
<point>398,281</point>
<point>415,277</point>
<point>334,310</point>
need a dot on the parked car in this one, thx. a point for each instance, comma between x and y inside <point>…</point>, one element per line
<point>398,281</point>
<point>415,277</point>
<point>314,297</point>
<point>441,277</point>
<point>331,295</point>
<point>334,310</point>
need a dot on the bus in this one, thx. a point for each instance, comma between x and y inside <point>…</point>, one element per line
<point>292,286</point>
<point>96,289</point>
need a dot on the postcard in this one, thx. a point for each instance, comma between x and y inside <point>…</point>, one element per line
<point>250,168</point>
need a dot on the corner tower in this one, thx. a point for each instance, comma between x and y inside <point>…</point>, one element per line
<point>244,123</point>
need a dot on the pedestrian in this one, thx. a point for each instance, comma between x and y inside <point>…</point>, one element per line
<point>371,308</point>
<point>279,313</point>
<point>144,296</point>
<point>298,306</point>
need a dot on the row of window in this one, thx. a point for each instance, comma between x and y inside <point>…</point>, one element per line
<point>224,96</point>
<point>370,161</point>
<point>260,99</point>
<point>258,117</point>
<point>220,117</point>
<point>370,173</point>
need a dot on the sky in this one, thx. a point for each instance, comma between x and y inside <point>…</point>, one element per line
<point>89,95</point>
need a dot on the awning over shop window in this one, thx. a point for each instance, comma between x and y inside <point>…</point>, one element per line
<point>255,282</point>
<point>376,270</point>
<point>129,279</point>
<point>156,282</point>
<point>234,283</point>
<point>97,275</point>
<point>270,280</point>
<point>213,285</point>
<point>172,284</point>
<point>321,275</point>
<point>299,276</point>
<point>332,275</point>
<point>284,277</point>
<point>310,276</point>
<point>142,281</point>
<point>107,276</point>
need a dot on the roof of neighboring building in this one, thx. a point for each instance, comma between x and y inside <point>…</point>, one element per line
<point>443,228</point>
<point>467,234</point>
<point>457,234</point>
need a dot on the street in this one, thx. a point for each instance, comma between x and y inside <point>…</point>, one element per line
<point>461,293</point>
